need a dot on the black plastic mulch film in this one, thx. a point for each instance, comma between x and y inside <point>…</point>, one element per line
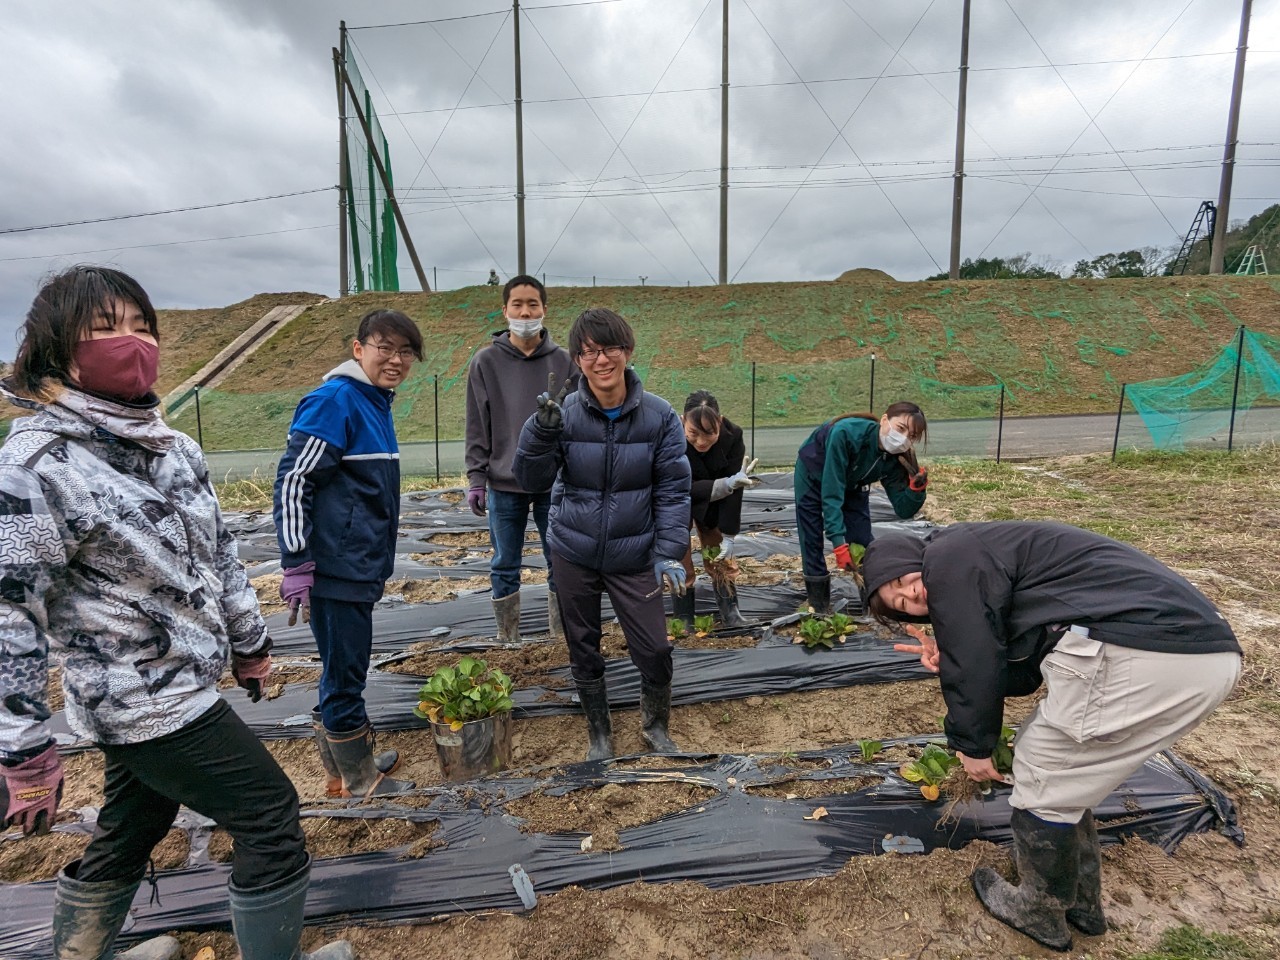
<point>734,836</point>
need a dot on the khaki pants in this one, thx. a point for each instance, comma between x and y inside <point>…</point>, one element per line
<point>1107,709</point>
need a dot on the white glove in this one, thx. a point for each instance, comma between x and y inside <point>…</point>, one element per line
<point>724,486</point>
<point>727,547</point>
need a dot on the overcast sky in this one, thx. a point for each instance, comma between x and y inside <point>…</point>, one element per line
<point>132,107</point>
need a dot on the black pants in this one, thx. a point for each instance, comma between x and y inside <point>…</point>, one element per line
<point>809,520</point>
<point>636,600</point>
<point>214,766</point>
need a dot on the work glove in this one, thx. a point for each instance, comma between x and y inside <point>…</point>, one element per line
<point>727,549</point>
<point>918,481</point>
<point>670,575</point>
<point>477,501</point>
<point>250,672</point>
<point>30,792</point>
<point>295,590</point>
<point>723,486</point>
<point>549,415</point>
<point>845,559</point>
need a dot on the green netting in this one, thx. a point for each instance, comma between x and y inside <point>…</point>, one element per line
<point>371,229</point>
<point>1203,403</point>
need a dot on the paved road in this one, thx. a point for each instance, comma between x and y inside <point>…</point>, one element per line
<point>1022,437</point>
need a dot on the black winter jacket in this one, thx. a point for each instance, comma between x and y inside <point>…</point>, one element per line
<point>620,500</point>
<point>1001,595</point>
<point>723,459</point>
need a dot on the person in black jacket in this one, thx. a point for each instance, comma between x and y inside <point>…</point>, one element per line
<point>1132,657</point>
<point>718,461</point>
<point>619,517</point>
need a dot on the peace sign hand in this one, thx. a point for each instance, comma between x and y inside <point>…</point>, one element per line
<point>549,415</point>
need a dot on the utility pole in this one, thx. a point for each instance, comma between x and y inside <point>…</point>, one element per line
<point>957,196</point>
<point>343,172</point>
<point>520,261</point>
<point>386,181</point>
<point>1217,252</point>
<point>724,148</point>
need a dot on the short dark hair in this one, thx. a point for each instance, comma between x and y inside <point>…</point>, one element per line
<point>523,280</point>
<point>602,327</point>
<point>62,312</point>
<point>390,323</point>
<point>703,411</point>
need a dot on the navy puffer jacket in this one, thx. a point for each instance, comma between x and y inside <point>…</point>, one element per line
<point>620,500</point>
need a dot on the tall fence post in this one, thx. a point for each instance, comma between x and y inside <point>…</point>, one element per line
<point>753,409</point>
<point>199,425</point>
<point>871,399</point>
<point>1115,443</point>
<point>1000,426</point>
<point>435,282</point>
<point>435,392</point>
<point>1235,390</point>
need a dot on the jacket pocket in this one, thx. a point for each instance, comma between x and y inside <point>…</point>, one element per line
<point>1081,699</point>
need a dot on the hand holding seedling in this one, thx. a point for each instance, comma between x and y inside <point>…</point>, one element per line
<point>980,769</point>
<point>927,648</point>
<point>549,415</point>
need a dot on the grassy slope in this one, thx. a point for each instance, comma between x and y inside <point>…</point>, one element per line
<point>1058,346</point>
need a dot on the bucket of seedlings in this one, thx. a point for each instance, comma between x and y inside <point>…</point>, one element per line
<point>469,709</point>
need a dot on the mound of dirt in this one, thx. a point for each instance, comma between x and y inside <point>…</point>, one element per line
<point>863,275</point>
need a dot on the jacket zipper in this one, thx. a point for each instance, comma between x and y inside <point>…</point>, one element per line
<point>608,483</point>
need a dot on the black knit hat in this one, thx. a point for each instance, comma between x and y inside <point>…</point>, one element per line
<point>890,557</point>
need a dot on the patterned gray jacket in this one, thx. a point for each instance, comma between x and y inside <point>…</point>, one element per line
<point>116,562</point>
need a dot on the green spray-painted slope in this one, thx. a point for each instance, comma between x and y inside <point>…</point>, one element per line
<point>1056,346</point>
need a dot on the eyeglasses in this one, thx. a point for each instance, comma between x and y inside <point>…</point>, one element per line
<point>610,353</point>
<point>386,351</point>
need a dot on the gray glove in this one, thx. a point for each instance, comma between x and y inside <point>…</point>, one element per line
<point>727,549</point>
<point>549,415</point>
<point>724,486</point>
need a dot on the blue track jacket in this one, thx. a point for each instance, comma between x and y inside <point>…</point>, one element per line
<point>337,496</point>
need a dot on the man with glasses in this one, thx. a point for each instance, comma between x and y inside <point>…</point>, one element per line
<point>619,518</point>
<point>503,383</point>
<point>337,513</point>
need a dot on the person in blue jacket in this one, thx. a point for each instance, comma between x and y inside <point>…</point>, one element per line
<point>337,512</point>
<point>619,517</point>
<point>835,468</point>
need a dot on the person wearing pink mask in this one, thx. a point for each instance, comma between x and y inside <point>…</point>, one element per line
<point>835,469</point>
<point>118,565</point>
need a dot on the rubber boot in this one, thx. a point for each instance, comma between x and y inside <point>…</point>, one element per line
<point>683,604</point>
<point>655,713</point>
<point>595,706</point>
<point>386,761</point>
<point>353,756</point>
<point>818,590</point>
<point>1086,913</point>
<point>87,917</point>
<point>267,921</point>
<point>1048,859</point>
<point>507,612</point>
<point>727,602</point>
<point>555,625</point>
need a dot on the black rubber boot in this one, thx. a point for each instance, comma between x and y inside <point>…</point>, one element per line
<point>386,761</point>
<point>682,606</point>
<point>727,602</point>
<point>655,714</point>
<point>87,917</point>
<point>555,625</point>
<point>818,590</point>
<point>1048,859</point>
<point>353,756</point>
<point>507,612</point>
<point>1086,913</point>
<point>595,706</point>
<point>267,921</point>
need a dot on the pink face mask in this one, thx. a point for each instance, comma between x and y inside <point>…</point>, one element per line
<point>121,367</point>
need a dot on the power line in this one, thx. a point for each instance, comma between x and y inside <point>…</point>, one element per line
<point>158,213</point>
<point>168,243</point>
<point>477,16</point>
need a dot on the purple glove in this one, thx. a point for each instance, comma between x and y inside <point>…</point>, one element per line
<point>250,672</point>
<point>477,501</point>
<point>295,590</point>
<point>30,792</point>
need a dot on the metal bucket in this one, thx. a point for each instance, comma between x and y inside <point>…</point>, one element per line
<point>479,747</point>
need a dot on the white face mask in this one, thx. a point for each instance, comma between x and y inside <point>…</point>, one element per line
<point>524,328</point>
<point>896,442</point>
